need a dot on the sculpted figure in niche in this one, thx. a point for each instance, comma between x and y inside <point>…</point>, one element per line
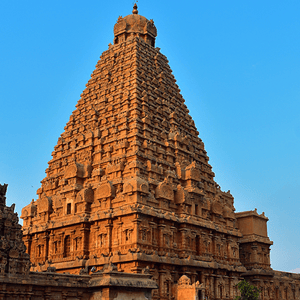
<point>127,233</point>
<point>12,266</point>
<point>3,243</point>
<point>77,243</point>
<point>207,244</point>
<point>55,246</point>
<point>166,240</point>
<point>144,234</point>
<point>3,264</point>
<point>102,240</point>
<point>154,240</point>
<point>165,191</point>
<point>21,247</point>
<point>26,267</point>
<point>234,252</point>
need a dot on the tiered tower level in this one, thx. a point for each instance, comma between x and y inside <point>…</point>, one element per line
<point>130,182</point>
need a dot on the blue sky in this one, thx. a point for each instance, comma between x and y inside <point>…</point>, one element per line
<point>237,64</point>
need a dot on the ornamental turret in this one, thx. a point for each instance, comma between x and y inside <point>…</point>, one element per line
<point>135,25</point>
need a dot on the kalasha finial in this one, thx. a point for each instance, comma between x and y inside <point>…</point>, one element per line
<point>135,11</point>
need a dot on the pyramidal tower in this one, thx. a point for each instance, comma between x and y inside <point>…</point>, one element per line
<point>130,182</point>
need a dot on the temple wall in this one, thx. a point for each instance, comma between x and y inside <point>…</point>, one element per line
<point>44,286</point>
<point>130,184</point>
<point>280,286</point>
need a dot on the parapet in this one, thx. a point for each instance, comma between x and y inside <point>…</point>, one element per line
<point>252,224</point>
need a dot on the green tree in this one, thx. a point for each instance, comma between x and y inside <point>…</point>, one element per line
<point>248,291</point>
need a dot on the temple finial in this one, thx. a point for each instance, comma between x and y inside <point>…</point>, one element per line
<point>135,11</point>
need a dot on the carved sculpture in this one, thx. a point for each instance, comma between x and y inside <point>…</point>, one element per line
<point>13,258</point>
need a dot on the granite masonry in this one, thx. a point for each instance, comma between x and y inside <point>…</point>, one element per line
<point>130,190</point>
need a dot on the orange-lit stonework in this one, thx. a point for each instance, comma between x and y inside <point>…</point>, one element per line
<point>130,184</point>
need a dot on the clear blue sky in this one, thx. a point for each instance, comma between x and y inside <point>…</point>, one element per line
<point>237,64</point>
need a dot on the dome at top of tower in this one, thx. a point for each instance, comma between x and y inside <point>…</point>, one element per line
<point>135,25</point>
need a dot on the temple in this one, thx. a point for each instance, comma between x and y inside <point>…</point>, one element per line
<point>130,184</point>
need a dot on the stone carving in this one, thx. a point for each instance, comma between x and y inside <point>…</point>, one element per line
<point>3,189</point>
<point>136,184</point>
<point>184,280</point>
<point>164,190</point>
<point>186,290</point>
<point>130,183</point>
<point>13,259</point>
<point>105,190</point>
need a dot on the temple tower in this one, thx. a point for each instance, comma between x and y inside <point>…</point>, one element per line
<point>130,182</point>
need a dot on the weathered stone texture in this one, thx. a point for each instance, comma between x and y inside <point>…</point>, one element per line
<point>13,256</point>
<point>130,183</point>
<point>16,282</point>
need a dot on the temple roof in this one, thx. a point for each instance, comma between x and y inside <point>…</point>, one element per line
<point>135,25</point>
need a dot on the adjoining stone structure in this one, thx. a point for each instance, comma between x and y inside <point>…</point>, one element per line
<point>16,282</point>
<point>13,257</point>
<point>130,183</point>
<point>188,291</point>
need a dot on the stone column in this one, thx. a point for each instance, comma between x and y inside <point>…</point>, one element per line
<point>216,286</point>
<point>202,281</point>
<point>153,226</point>
<point>95,236</point>
<point>202,278</point>
<point>161,236</point>
<point>268,256</point>
<point>109,236</point>
<point>36,239</point>
<point>161,282</point>
<point>85,240</point>
<point>51,244</point>
<point>231,287</point>
<point>27,243</point>
<point>210,239</point>
<point>174,237</point>
<point>46,243</point>
<point>118,226</point>
<point>214,246</point>
<point>212,286</point>
<point>254,253</point>
<point>72,248</point>
<point>226,289</point>
<point>229,248</point>
<point>224,247</point>
<point>203,237</point>
<point>193,277</point>
<point>62,244</point>
<point>136,231</point>
<point>183,238</point>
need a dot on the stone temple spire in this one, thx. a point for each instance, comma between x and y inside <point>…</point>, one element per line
<point>130,180</point>
<point>135,25</point>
